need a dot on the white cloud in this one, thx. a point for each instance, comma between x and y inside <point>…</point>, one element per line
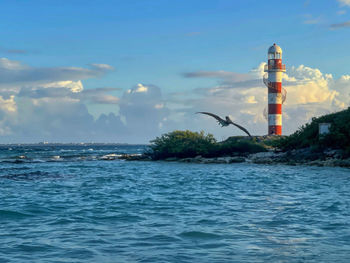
<point>73,90</point>
<point>11,64</point>
<point>102,66</point>
<point>56,110</point>
<point>73,86</point>
<point>140,88</point>
<point>55,113</point>
<point>159,106</point>
<point>14,74</point>
<point>250,100</point>
<point>8,111</point>
<point>308,85</point>
<point>344,2</point>
<point>104,99</point>
<point>309,93</point>
<point>8,105</point>
<point>144,111</point>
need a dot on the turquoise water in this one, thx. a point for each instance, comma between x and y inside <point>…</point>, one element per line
<point>71,204</point>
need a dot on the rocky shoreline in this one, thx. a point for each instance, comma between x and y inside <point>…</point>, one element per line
<point>329,158</point>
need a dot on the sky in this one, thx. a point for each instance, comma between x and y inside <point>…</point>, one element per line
<point>128,71</point>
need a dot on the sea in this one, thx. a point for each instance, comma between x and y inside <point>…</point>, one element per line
<point>80,203</point>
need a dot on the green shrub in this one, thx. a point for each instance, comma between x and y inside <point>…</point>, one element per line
<point>240,145</point>
<point>307,135</point>
<point>187,144</point>
<point>182,144</point>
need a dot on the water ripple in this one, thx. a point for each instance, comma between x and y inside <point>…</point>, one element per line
<point>92,210</point>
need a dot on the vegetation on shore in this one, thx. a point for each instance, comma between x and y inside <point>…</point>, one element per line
<point>308,134</point>
<point>188,144</point>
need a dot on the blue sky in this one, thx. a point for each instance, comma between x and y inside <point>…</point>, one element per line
<point>155,43</point>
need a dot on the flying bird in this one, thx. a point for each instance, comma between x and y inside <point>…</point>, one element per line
<point>226,122</point>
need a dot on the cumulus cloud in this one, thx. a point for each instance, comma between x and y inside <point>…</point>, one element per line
<point>52,119</point>
<point>39,104</point>
<point>58,113</point>
<point>18,79</point>
<point>70,89</point>
<point>308,85</point>
<point>144,111</point>
<point>57,109</point>
<point>56,119</point>
<point>73,86</point>
<point>48,103</point>
<point>309,93</point>
<point>99,95</point>
<point>94,96</point>
<point>8,105</point>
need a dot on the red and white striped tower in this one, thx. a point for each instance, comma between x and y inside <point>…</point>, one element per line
<point>274,68</point>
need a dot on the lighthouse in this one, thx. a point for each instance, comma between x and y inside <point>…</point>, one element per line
<point>273,81</point>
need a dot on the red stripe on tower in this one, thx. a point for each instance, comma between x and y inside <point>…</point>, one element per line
<point>275,129</point>
<point>275,108</point>
<point>274,68</point>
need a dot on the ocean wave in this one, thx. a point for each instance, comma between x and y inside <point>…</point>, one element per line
<point>56,158</point>
<point>31,176</point>
<point>10,214</point>
<point>65,158</point>
<point>111,156</point>
<point>199,235</point>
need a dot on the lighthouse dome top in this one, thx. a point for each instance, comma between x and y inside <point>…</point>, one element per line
<point>275,49</point>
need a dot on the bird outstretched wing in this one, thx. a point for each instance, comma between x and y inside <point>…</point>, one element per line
<point>239,127</point>
<point>226,122</point>
<point>221,121</point>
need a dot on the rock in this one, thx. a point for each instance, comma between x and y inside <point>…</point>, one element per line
<point>223,160</point>
<point>237,160</point>
<point>134,157</point>
<point>267,157</point>
<point>262,155</point>
<point>171,159</point>
<point>186,160</point>
<point>316,163</point>
<point>306,154</point>
<point>334,153</point>
<point>211,160</point>
<point>342,163</point>
<point>263,161</point>
<point>295,157</point>
<point>111,157</point>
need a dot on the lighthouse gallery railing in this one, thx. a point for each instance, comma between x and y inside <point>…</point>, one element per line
<point>274,67</point>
